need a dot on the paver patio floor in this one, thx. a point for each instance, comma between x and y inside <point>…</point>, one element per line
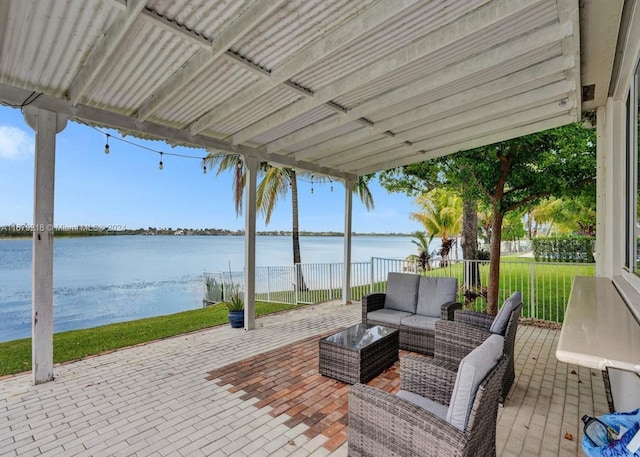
<point>192,395</point>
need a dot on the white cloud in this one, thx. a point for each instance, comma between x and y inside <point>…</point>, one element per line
<point>15,143</point>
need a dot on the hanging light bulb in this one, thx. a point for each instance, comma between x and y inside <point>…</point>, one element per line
<point>160,165</point>
<point>106,146</point>
<point>204,169</point>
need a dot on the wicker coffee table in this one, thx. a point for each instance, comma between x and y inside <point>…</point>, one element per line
<point>359,353</point>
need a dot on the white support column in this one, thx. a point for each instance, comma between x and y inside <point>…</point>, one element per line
<point>603,194</point>
<point>46,124</point>
<point>348,211</point>
<point>251,166</point>
<point>610,182</point>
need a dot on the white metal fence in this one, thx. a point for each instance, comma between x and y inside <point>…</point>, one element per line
<point>303,283</point>
<point>544,286</point>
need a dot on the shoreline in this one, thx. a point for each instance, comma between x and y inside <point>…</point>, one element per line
<point>92,235</point>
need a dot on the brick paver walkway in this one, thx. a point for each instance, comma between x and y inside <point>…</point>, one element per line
<point>287,379</point>
<point>176,397</point>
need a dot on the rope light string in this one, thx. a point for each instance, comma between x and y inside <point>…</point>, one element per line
<point>34,96</point>
<point>107,150</point>
<point>131,143</point>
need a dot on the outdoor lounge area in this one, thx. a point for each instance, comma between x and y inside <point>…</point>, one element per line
<point>224,392</point>
<point>340,90</point>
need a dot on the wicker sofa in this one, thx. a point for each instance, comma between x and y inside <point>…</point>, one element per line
<point>412,304</point>
<point>457,338</point>
<point>437,412</point>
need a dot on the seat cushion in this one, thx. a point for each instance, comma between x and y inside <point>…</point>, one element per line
<point>499,324</point>
<point>418,321</point>
<point>433,293</point>
<point>402,292</point>
<point>471,372</point>
<point>388,316</point>
<point>424,403</point>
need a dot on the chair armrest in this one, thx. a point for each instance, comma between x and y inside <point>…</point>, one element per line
<point>447,310</point>
<point>473,318</point>
<point>428,377</point>
<point>454,340</point>
<point>383,424</point>
<point>372,302</point>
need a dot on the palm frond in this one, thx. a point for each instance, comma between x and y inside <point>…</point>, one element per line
<point>272,187</point>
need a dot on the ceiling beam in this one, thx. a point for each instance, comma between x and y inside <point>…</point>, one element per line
<point>473,122</point>
<point>204,57</point>
<point>104,49</point>
<point>316,51</point>
<point>362,151</point>
<point>383,163</point>
<point>492,58</point>
<point>568,11</point>
<point>490,111</point>
<point>193,37</point>
<point>461,102</point>
<point>535,114</point>
<point>532,115</point>
<point>16,96</point>
<point>4,15</point>
<point>477,20</point>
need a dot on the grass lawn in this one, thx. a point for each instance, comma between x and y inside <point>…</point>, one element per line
<point>15,356</point>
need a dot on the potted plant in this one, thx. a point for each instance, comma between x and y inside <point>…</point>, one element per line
<point>236,310</point>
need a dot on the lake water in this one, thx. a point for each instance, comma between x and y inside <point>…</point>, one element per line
<point>100,280</point>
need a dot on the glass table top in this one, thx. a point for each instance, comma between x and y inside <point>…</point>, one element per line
<point>360,335</point>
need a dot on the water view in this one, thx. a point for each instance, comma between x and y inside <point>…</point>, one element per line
<point>100,280</point>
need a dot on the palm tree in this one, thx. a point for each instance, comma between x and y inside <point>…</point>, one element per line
<point>441,216</point>
<point>275,184</point>
<point>424,256</point>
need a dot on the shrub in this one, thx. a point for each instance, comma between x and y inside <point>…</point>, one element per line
<point>571,248</point>
<point>484,255</point>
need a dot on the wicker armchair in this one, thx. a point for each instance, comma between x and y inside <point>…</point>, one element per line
<point>455,339</point>
<point>418,420</point>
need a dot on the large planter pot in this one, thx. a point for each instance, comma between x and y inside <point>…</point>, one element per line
<point>236,319</point>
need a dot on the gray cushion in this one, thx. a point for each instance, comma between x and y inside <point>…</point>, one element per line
<point>438,409</point>
<point>402,292</point>
<point>435,292</point>
<point>418,321</point>
<point>471,372</point>
<point>388,316</point>
<point>499,324</point>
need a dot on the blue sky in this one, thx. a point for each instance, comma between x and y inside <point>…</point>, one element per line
<point>127,188</point>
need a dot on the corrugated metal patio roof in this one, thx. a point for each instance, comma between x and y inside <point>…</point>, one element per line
<point>337,87</point>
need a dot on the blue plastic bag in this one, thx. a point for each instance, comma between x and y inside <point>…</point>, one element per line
<point>628,444</point>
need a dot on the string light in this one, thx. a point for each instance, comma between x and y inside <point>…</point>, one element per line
<point>239,164</point>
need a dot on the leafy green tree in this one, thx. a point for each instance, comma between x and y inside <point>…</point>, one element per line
<point>512,226</point>
<point>514,174</point>
<point>565,215</point>
<point>419,178</point>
